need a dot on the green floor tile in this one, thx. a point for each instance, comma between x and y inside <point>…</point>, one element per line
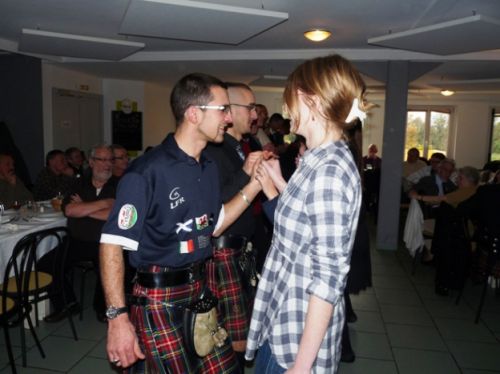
<point>412,361</point>
<point>408,315</point>
<point>415,337</point>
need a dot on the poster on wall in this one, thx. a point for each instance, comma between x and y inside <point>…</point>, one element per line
<point>127,125</point>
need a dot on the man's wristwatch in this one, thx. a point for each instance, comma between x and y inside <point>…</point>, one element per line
<point>112,312</point>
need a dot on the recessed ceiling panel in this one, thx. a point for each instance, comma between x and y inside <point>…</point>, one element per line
<point>464,35</point>
<point>58,44</point>
<point>197,21</point>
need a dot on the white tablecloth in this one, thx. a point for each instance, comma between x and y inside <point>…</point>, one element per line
<point>12,232</point>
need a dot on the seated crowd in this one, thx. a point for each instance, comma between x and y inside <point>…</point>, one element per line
<point>453,199</point>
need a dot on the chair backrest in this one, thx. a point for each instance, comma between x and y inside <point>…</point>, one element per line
<point>23,260</point>
<point>19,267</point>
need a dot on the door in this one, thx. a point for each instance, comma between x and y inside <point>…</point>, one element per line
<point>77,119</point>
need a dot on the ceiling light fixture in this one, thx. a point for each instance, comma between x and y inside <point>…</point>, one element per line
<point>317,35</point>
<point>447,92</point>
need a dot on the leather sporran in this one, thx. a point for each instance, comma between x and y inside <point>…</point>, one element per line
<point>201,332</point>
<point>248,270</point>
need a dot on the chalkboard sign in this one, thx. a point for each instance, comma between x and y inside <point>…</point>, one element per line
<point>127,129</point>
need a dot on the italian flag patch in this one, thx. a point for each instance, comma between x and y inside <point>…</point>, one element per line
<point>187,247</point>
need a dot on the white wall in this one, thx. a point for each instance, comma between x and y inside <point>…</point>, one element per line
<point>158,118</point>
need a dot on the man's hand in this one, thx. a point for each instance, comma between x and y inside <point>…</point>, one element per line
<point>250,162</point>
<point>122,342</point>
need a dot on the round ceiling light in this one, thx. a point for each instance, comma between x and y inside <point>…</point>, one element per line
<point>447,92</point>
<point>317,35</point>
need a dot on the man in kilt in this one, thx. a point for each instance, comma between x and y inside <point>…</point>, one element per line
<point>234,172</point>
<point>167,208</point>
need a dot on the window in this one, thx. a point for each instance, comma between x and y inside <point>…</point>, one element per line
<point>495,137</point>
<point>428,131</point>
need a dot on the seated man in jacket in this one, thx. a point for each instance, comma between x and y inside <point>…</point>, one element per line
<point>437,184</point>
<point>87,208</point>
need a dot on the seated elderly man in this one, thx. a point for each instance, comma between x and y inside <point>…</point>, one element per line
<point>437,184</point>
<point>55,178</point>
<point>12,189</point>
<point>449,244</point>
<point>87,208</point>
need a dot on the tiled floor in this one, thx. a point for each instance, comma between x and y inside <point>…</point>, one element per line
<point>402,327</point>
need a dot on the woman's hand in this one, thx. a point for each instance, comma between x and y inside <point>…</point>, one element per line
<point>272,167</point>
<point>266,182</point>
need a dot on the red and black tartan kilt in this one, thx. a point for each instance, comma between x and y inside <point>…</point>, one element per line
<point>159,329</point>
<point>224,280</point>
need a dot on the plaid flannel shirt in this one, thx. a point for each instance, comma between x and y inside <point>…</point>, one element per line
<point>314,228</point>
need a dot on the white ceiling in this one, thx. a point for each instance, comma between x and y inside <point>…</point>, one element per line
<point>271,54</point>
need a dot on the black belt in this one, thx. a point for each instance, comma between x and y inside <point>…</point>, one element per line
<point>172,277</point>
<point>230,241</point>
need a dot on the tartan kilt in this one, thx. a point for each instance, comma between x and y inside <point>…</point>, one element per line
<point>159,329</point>
<point>224,280</point>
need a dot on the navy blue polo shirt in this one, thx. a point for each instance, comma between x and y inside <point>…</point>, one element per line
<point>166,208</point>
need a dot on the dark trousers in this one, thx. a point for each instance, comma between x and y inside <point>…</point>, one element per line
<point>88,251</point>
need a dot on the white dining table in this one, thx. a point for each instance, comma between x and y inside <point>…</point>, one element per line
<point>12,230</point>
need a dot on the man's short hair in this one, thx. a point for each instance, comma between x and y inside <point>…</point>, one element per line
<point>93,150</point>
<point>52,154</point>
<point>193,89</point>
<point>470,173</point>
<point>68,152</point>
<point>117,147</point>
<point>438,155</point>
<point>448,161</point>
<point>238,85</point>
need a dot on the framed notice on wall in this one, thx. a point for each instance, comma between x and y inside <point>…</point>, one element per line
<point>127,129</point>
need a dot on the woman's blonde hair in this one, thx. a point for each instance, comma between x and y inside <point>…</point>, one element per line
<point>333,81</point>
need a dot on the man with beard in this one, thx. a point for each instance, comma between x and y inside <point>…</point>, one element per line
<point>87,208</point>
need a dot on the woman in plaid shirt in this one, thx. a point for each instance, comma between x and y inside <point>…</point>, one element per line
<point>299,307</point>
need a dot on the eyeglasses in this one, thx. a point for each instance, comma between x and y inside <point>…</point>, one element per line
<point>120,158</point>
<point>103,159</point>
<point>222,108</point>
<point>250,107</point>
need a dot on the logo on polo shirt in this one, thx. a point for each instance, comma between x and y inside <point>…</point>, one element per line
<point>175,198</point>
<point>127,217</point>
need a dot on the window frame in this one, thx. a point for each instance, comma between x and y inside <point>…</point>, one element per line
<point>451,129</point>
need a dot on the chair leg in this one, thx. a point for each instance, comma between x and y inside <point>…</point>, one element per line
<point>35,338</point>
<point>481,300</point>
<point>9,348</point>
<point>82,292</point>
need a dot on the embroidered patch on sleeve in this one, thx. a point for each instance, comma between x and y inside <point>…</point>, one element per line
<point>202,222</point>
<point>186,247</point>
<point>127,217</point>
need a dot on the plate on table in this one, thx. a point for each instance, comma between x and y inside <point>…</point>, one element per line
<point>41,219</point>
<point>50,215</point>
